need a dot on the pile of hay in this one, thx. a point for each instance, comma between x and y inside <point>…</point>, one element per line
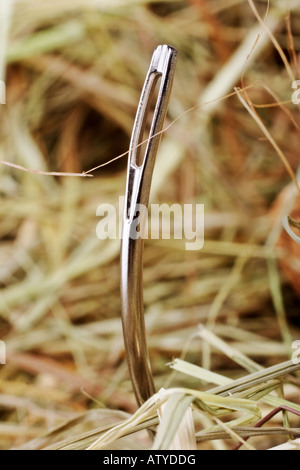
<point>74,72</point>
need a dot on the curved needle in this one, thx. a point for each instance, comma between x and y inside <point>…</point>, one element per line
<point>139,177</point>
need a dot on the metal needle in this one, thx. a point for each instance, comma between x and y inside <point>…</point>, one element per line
<point>139,177</point>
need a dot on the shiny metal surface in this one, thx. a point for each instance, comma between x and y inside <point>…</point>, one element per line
<point>139,177</point>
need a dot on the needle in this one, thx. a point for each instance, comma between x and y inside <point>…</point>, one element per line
<point>139,175</point>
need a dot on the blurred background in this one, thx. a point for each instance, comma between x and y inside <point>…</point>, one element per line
<point>74,71</point>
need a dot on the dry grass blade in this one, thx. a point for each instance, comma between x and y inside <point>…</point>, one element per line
<point>234,435</point>
<point>46,41</point>
<point>244,432</point>
<point>171,423</point>
<point>273,39</point>
<point>206,402</point>
<point>228,386</point>
<point>40,172</point>
<point>272,141</point>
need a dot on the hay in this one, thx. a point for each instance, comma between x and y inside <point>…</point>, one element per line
<point>73,78</point>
